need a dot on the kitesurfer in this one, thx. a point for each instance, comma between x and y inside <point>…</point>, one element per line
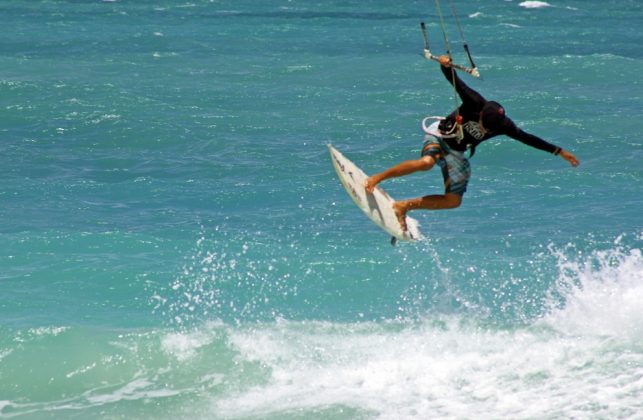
<point>475,121</point>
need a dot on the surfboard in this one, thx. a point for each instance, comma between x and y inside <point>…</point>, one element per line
<point>377,206</point>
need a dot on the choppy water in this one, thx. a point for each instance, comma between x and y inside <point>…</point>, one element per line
<point>175,244</point>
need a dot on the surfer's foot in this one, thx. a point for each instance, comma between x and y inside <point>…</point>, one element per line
<point>370,184</point>
<point>400,212</point>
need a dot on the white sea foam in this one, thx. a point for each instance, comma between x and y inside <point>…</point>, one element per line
<point>185,345</point>
<point>603,295</point>
<point>45,331</point>
<point>583,359</point>
<point>534,4</point>
<point>437,372</point>
<point>81,370</point>
<point>137,389</point>
<point>4,353</point>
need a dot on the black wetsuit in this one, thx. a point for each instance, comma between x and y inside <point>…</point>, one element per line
<point>472,103</point>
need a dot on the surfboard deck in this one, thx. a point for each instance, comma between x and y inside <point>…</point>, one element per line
<point>377,206</point>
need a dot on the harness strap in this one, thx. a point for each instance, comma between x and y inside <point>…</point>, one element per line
<point>455,132</point>
<point>433,129</point>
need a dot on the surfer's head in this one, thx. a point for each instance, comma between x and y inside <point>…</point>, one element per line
<point>492,116</point>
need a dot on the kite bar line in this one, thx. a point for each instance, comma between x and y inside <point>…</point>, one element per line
<point>444,29</point>
<point>464,41</point>
<point>458,118</point>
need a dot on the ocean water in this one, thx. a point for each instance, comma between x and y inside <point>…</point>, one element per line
<point>175,244</point>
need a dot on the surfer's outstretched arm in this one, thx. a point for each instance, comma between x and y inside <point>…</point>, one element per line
<point>511,130</point>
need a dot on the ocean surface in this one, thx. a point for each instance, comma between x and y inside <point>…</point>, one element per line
<point>174,243</point>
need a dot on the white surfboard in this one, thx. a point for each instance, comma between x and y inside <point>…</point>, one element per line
<point>377,206</point>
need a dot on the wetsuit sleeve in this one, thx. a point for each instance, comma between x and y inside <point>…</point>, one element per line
<point>470,98</point>
<point>510,129</point>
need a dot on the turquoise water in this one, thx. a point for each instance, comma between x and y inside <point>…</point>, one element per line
<point>175,243</point>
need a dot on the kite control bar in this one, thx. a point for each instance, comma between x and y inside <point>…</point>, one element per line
<point>427,54</point>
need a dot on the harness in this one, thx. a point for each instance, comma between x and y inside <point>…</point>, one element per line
<point>437,127</point>
<point>454,132</point>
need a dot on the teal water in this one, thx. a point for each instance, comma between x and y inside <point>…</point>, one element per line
<point>175,243</point>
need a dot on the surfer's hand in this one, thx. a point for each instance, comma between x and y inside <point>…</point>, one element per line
<point>569,157</point>
<point>445,61</point>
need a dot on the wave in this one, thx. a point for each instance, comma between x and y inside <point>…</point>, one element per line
<point>443,367</point>
<point>579,355</point>
<point>583,358</point>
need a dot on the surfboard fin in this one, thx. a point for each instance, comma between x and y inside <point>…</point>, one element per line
<point>393,240</point>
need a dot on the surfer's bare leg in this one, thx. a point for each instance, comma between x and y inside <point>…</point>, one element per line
<point>405,168</point>
<point>429,202</point>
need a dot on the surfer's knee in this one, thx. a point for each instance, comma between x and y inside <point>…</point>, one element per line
<point>426,162</point>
